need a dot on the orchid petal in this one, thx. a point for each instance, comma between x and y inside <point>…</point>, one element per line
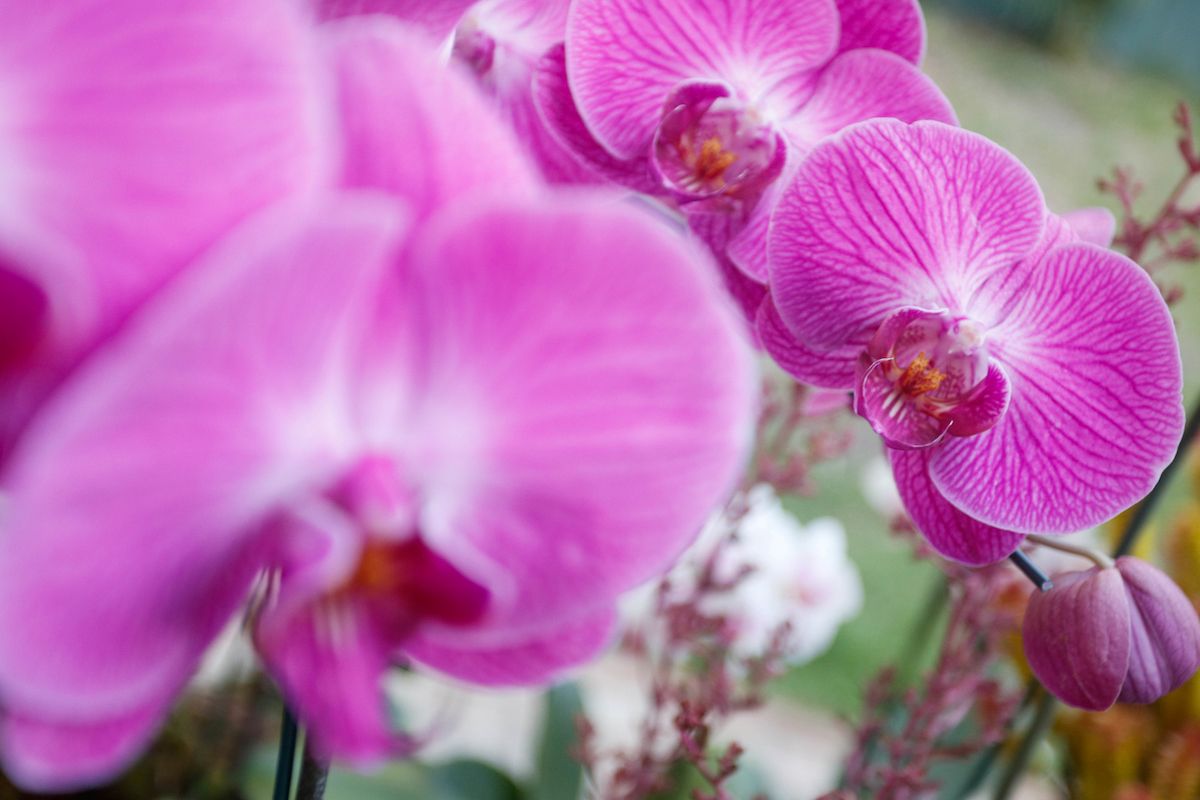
<point>889,215</point>
<point>895,25</point>
<point>864,84</point>
<point>538,660</point>
<point>331,662</point>
<point>1077,637</point>
<point>625,56</point>
<point>437,18</point>
<point>1165,643</point>
<point>556,104</point>
<point>413,137</point>
<point>132,134</point>
<point>950,532</point>
<point>1096,413</point>
<point>1095,225</point>
<point>134,505</point>
<point>831,370</point>
<point>52,756</point>
<point>557,397</point>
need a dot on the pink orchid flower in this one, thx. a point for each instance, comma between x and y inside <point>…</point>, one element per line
<point>1025,381</point>
<point>440,418</point>
<point>711,104</point>
<point>1123,632</point>
<point>133,133</point>
<point>500,42</point>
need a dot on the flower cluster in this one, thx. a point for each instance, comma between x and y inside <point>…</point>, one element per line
<point>298,325</point>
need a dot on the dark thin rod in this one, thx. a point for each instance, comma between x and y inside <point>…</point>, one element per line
<point>314,772</point>
<point>1031,571</point>
<point>287,757</point>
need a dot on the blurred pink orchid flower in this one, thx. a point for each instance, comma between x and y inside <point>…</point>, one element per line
<point>132,134</point>
<point>436,416</point>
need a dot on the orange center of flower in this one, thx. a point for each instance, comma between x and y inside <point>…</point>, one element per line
<point>713,159</point>
<point>919,378</point>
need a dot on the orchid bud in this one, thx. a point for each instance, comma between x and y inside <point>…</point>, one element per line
<point>1124,632</point>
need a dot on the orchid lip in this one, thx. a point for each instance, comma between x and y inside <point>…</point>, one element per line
<point>709,144</point>
<point>926,375</point>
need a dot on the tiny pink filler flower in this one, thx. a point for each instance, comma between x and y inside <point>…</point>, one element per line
<point>1024,381</point>
<point>453,443</point>
<point>711,104</point>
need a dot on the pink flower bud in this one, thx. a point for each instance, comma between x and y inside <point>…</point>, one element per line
<point>1125,633</point>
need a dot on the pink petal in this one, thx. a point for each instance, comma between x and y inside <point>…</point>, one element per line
<point>61,756</point>
<point>748,294</point>
<point>558,163</point>
<point>560,399</point>
<point>556,105</point>
<point>1095,225</point>
<point>832,370</point>
<point>1077,637</point>
<point>625,56</point>
<point>863,84</point>
<point>951,532</point>
<point>330,662</point>
<point>1090,349</point>
<point>1165,642</point>
<point>889,215</point>
<point>412,126</point>
<point>134,503</point>
<point>538,660</point>
<point>898,422</point>
<point>895,25</point>
<point>134,132</point>
<point>437,18</point>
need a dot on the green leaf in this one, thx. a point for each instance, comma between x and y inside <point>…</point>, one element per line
<point>559,775</point>
<point>471,780</point>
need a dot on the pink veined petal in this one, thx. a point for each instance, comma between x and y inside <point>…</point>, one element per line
<point>436,17</point>
<point>413,127</point>
<point>864,84</point>
<point>539,659</point>
<point>898,422</point>
<point>625,56</point>
<point>133,133</point>
<point>1095,225</point>
<point>747,246</point>
<point>563,391</point>
<point>1090,349</point>
<point>831,370</point>
<point>889,215</point>
<point>1077,637</point>
<point>948,530</point>
<point>558,163</point>
<point>748,294</point>
<point>133,505</point>
<point>895,25</point>
<point>556,105</point>
<point>45,755</point>
<point>983,406</point>
<point>1165,641</point>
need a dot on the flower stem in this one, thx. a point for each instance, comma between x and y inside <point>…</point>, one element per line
<point>1137,523</point>
<point>1031,571</point>
<point>287,757</point>
<point>314,772</point>
<point>1095,556</point>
